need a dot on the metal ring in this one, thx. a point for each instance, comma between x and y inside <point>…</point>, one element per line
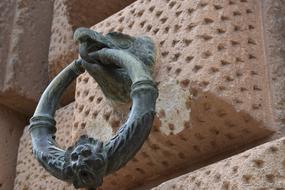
<point>89,160</point>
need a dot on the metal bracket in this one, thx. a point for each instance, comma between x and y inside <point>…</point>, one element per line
<point>122,66</point>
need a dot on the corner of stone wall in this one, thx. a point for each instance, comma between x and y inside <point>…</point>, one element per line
<point>26,31</point>
<point>261,167</point>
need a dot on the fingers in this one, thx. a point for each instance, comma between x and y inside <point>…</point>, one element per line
<point>110,57</point>
<point>84,53</point>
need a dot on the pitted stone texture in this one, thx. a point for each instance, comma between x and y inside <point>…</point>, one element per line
<point>219,41</point>
<point>168,148</point>
<point>212,81</point>
<point>274,26</point>
<point>29,174</point>
<point>11,125</point>
<point>69,15</point>
<point>26,37</point>
<point>262,168</point>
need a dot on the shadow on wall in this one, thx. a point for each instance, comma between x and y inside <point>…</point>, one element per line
<point>215,129</point>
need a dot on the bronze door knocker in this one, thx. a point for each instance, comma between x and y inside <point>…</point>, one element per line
<point>122,66</point>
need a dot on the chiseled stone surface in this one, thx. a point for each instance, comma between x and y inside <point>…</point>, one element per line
<point>7,11</point>
<point>274,26</point>
<point>29,174</point>
<point>214,98</point>
<point>11,125</point>
<point>212,81</point>
<point>25,42</point>
<point>261,168</point>
<point>67,16</point>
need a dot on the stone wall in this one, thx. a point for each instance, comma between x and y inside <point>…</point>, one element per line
<point>274,29</point>
<point>27,29</point>
<point>7,8</point>
<point>220,77</point>
<point>258,168</point>
<point>11,125</point>
<point>25,38</point>
<point>24,43</point>
<point>211,66</point>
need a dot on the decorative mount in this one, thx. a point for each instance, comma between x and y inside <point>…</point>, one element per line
<point>122,66</point>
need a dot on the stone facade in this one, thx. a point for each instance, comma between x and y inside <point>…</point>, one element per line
<point>274,26</point>
<point>211,65</point>
<point>258,168</point>
<point>25,33</point>
<point>220,75</point>
<point>24,38</point>
<point>11,124</point>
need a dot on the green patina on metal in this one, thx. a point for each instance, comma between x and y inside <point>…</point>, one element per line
<point>122,66</point>
<point>105,60</point>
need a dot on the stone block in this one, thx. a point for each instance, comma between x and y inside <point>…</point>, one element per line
<point>11,127</point>
<point>7,12</point>
<point>67,16</point>
<point>214,95</point>
<point>24,52</point>
<point>259,168</point>
<point>274,26</point>
<point>29,174</point>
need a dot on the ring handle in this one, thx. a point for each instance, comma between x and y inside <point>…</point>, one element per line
<point>89,160</point>
<point>42,124</point>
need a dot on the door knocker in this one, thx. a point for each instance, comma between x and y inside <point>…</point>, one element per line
<point>122,66</point>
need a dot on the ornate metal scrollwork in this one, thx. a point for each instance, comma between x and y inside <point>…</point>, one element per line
<point>122,66</point>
